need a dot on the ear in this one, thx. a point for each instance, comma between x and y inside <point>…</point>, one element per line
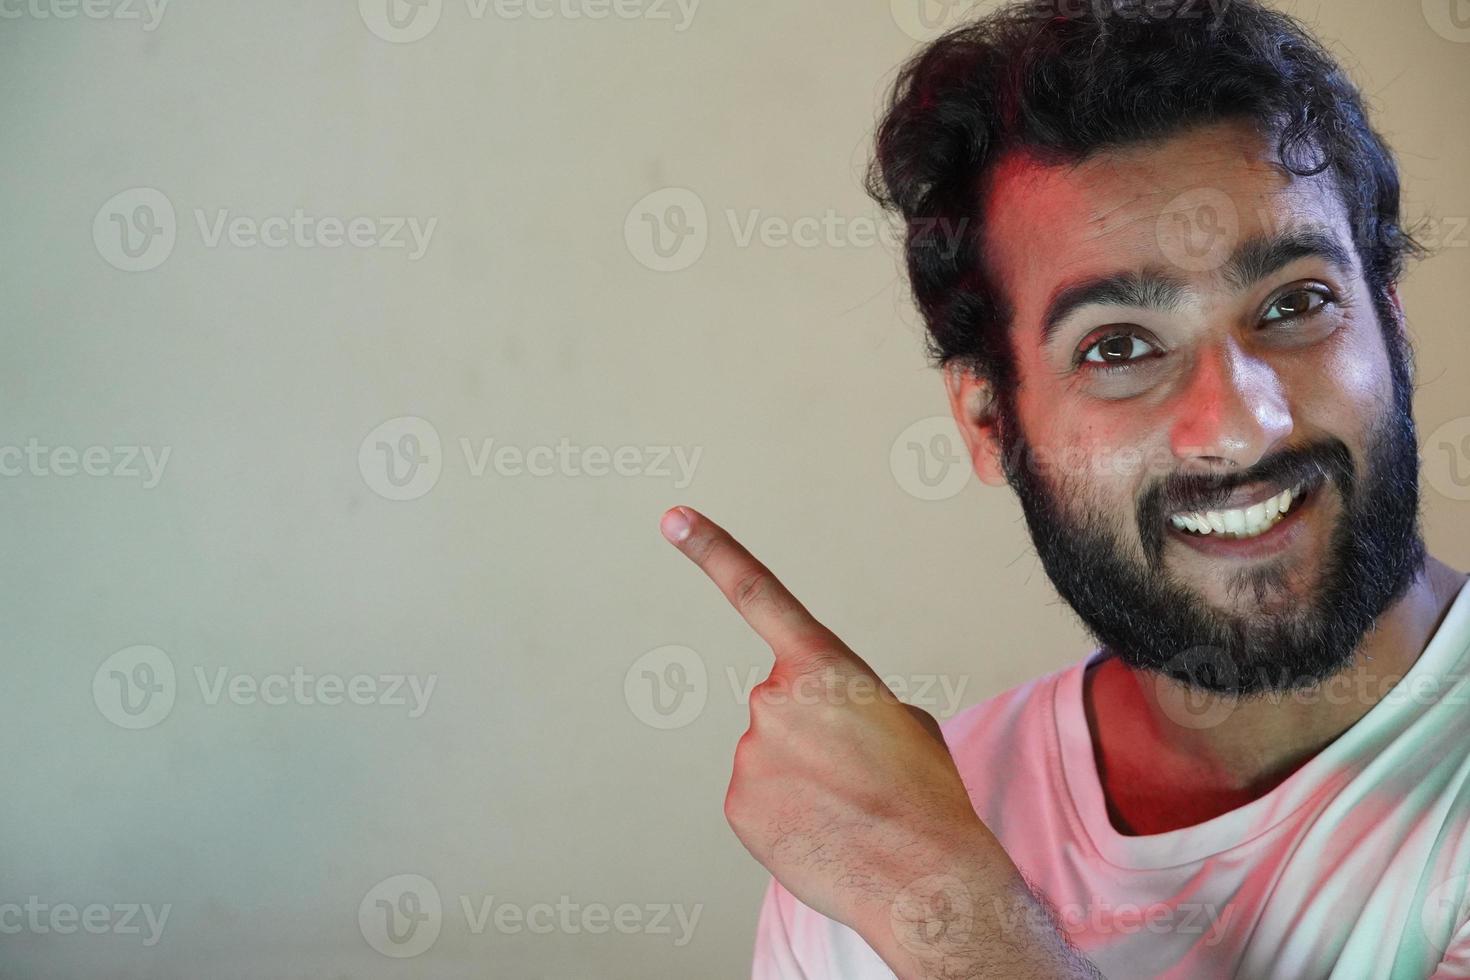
<point>1398,307</point>
<point>972,403</point>
<point>1401,326</point>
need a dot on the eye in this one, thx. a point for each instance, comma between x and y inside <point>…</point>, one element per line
<point>1297,303</point>
<point>1117,349</point>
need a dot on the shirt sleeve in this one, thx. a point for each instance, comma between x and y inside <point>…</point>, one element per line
<point>775,957</point>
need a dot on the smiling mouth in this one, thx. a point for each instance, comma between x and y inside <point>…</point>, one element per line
<point>1239,524</point>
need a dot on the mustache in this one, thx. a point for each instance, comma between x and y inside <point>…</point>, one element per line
<point>1323,461</point>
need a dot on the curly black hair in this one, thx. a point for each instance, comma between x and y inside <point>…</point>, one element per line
<point>1064,86</point>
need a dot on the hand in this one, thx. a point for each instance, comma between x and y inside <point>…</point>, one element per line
<point>849,797</point>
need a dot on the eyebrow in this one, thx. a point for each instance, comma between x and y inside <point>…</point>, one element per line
<point>1155,289</point>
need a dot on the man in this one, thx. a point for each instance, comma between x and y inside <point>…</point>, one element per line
<point>1172,327</point>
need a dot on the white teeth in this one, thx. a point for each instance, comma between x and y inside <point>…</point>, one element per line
<point>1240,523</point>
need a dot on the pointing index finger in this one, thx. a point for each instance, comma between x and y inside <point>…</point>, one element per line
<point>759,597</point>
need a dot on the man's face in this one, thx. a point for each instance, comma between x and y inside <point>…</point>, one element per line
<point>1207,436</point>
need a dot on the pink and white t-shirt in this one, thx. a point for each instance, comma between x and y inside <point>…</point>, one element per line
<point>1356,866</point>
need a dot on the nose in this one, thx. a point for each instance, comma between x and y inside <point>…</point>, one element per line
<point>1232,411</point>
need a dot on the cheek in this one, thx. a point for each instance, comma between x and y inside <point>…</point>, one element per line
<point>1100,462</point>
<point>1349,387</point>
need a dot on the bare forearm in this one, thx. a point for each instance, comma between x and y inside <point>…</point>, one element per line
<point>974,925</point>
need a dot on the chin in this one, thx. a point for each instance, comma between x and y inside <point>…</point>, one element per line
<point>1279,589</point>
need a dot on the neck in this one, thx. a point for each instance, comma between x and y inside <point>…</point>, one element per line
<point>1243,748</point>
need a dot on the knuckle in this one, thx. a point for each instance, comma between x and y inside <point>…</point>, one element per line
<point>747,750</point>
<point>922,716</point>
<point>743,747</point>
<point>734,806</point>
<point>814,654</point>
<point>751,589</point>
<point>928,722</point>
<point>765,695</point>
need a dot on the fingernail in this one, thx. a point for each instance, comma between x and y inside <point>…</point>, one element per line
<point>675,525</point>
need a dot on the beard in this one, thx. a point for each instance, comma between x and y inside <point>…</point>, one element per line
<point>1154,622</point>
